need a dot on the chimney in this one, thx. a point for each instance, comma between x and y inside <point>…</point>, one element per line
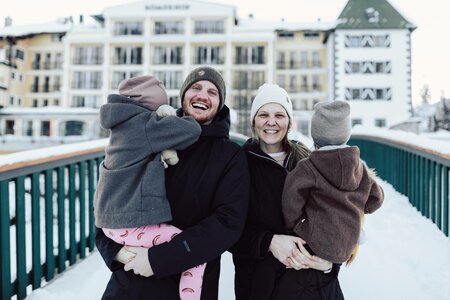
<point>8,22</point>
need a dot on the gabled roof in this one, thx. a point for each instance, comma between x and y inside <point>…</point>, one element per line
<point>372,14</point>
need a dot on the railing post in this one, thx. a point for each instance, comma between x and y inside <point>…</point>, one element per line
<point>445,200</point>
<point>72,240</point>
<point>36,231</point>
<point>82,198</point>
<point>91,184</point>
<point>49,255</point>
<point>22,278</point>
<point>5,247</point>
<point>61,221</point>
<point>438,189</point>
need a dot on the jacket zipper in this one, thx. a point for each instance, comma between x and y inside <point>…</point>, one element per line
<point>271,160</point>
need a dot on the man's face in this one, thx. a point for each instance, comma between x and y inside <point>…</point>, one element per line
<point>201,101</point>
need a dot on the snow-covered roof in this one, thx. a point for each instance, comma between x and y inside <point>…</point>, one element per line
<point>48,110</point>
<point>24,30</point>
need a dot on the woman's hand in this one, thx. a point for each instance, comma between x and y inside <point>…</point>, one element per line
<point>282,247</point>
<point>301,259</point>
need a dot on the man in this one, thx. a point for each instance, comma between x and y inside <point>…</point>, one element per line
<point>208,195</point>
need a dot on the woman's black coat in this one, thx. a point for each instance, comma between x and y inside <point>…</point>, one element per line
<point>264,219</point>
<point>208,195</point>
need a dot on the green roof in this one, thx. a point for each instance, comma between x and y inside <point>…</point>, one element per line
<point>372,14</point>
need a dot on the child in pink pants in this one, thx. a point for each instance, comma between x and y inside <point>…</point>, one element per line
<point>130,203</point>
<point>149,236</point>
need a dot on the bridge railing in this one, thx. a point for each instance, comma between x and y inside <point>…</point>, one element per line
<point>46,213</point>
<point>419,173</point>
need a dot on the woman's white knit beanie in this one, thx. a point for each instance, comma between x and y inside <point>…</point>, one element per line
<point>271,93</point>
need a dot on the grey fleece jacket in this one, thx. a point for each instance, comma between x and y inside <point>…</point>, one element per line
<point>131,188</point>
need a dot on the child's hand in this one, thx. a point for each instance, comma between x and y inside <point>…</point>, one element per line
<point>169,157</point>
<point>166,110</point>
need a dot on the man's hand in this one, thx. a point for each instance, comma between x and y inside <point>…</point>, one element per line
<point>139,264</point>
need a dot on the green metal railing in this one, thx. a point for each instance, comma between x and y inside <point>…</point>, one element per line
<point>46,218</point>
<point>420,174</point>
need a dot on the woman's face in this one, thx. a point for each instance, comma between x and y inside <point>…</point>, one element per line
<point>271,126</point>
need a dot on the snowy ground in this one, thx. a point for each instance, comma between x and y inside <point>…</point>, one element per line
<point>405,257</point>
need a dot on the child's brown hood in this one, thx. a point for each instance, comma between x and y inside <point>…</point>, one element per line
<point>347,168</point>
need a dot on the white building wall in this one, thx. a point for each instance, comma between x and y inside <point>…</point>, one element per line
<point>395,110</point>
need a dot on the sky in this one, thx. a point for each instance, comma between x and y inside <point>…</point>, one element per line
<point>393,263</point>
<point>430,41</point>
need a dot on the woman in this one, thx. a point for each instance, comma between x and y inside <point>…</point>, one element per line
<point>270,157</point>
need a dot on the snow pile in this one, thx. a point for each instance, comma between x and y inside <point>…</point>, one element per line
<point>406,138</point>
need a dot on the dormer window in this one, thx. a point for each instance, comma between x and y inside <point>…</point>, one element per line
<point>372,15</point>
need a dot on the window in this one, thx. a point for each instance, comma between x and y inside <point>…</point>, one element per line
<point>380,122</point>
<point>310,35</point>
<point>281,60</point>
<point>127,55</point>
<point>20,54</point>
<point>174,101</point>
<point>118,76</point>
<point>209,27</point>
<point>249,55</point>
<point>168,55</point>
<point>209,55</point>
<point>367,41</point>
<point>288,35</point>
<point>37,61</point>
<point>47,61</point>
<point>171,79</point>
<point>56,83</point>
<point>356,122</point>
<point>11,100</point>
<point>9,126</point>
<point>56,37</point>
<point>35,103</point>
<point>45,102</point>
<point>169,27</point>
<point>304,59</point>
<point>304,85</point>
<point>59,61</point>
<point>28,128</point>
<point>293,62</point>
<point>87,80</point>
<point>35,86</point>
<point>85,56</point>
<point>316,63</point>
<point>246,80</point>
<point>128,28</point>
<point>281,81</point>
<point>368,67</point>
<point>56,102</point>
<point>73,128</point>
<point>45,128</point>
<point>293,87</point>
<point>368,94</point>
<point>46,87</point>
<point>316,83</point>
<point>86,101</point>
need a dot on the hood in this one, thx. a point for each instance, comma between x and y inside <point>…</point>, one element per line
<point>118,110</point>
<point>219,127</point>
<point>340,167</point>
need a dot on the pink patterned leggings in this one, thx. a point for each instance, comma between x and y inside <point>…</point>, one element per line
<point>151,235</point>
